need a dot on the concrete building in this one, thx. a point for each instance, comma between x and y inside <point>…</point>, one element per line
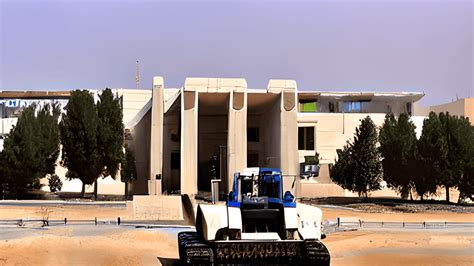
<point>273,127</point>
<point>461,107</point>
<point>12,102</point>
<point>176,131</point>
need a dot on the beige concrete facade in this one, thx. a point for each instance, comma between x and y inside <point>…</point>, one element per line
<point>176,131</point>
<point>157,207</point>
<point>241,127</point>
<point>288,135</point>
<point>461,107</point>
<point>156,142</point>
<point>237,139</point>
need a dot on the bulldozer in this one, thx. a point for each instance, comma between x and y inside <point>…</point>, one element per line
<point>257,224</point>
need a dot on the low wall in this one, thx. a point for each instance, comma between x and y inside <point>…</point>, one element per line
<point>311,189</point>
<point>156,207</point>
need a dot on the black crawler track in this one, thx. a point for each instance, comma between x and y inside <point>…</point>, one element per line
<point>192,251</point>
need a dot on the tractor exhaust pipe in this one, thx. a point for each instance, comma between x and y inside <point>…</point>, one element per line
<point>215,190</point>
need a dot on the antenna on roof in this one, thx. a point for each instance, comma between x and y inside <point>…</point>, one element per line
<point>137,75</point>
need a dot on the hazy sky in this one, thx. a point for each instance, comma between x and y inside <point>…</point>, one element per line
<point>323,45</point>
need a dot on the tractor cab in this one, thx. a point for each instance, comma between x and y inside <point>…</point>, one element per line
<point>259,186</point>
<point>258,192</point>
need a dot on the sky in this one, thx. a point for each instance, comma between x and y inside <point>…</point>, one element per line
<point>336,45</point>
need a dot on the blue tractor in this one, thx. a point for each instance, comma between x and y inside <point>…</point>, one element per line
<point>259,223</point>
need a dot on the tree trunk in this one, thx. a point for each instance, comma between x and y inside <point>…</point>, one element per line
<point>447,194</point>
<point>83,190</point>
<point>95,189</point>
<point>126,190</point>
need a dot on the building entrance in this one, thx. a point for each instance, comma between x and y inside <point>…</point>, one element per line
<point>212,137</point>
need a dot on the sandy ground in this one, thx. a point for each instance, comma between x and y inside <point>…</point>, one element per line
<point>64,211</point>
<point>69,245</point>
<point>333,213</point>
<point>401,248</point>
<point>129,246</point>
<point>111,213</point>
<point>114,245</point>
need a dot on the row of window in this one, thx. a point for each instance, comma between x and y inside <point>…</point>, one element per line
<point>347,107</point>
<point>305,137</point>
<point>311,106</point>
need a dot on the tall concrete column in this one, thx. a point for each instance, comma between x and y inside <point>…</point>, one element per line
<point>156,138</point>
<point>189,141</point>
<point>237,135</point>
<point>288,130</point>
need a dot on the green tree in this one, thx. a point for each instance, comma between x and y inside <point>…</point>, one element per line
<point>341,172</point>
<point>423,177</point>
<point>55,183</point>
<point>3,175</point>
<point>110,134</point>
<point>47,136</point>
<point>31,148</point>
<point>461,154</point>
<point>359,168</point>
<point>466,183</point>
<point>128,171</point>
<point>78,130</point>
<point>456,132</point>
<point>433,151</point>
<point>398,150</point>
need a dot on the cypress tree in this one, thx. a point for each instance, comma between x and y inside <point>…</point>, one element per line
<point>359,167</point>
<point>341,172</point>
<point>128,171</point>
<point>109,134</point>
<point>456,132</point>
<point>31,149</point>
<point>433,151</point>
<point>460,154</point>
<point>398,150</point>
<point>78,130</point>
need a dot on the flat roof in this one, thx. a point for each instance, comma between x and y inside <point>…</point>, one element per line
<point>64,94</point>
<point>34,94</point>
<point>413,96</point>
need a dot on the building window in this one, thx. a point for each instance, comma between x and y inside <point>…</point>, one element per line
<point>305,138</point>
<point>409,108</point>
<point>308,106</point>
<point>252,159</point>
<point>355,106</point>
<point>175,160</point>
<point>352,107</point>
<point>253,134</point>
<point>332,108</point>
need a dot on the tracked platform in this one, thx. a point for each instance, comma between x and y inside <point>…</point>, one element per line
<point>192,251</point>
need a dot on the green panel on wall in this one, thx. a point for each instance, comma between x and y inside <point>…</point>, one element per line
<point>309,107</point>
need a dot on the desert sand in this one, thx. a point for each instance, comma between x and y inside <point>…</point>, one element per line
<point>60,246</point>
<point>121,245</point>
<point>331,213</point>
<point>111,213</point>
<point>63,245</point>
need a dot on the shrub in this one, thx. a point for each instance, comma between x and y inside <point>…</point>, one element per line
<point>55,183</point>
